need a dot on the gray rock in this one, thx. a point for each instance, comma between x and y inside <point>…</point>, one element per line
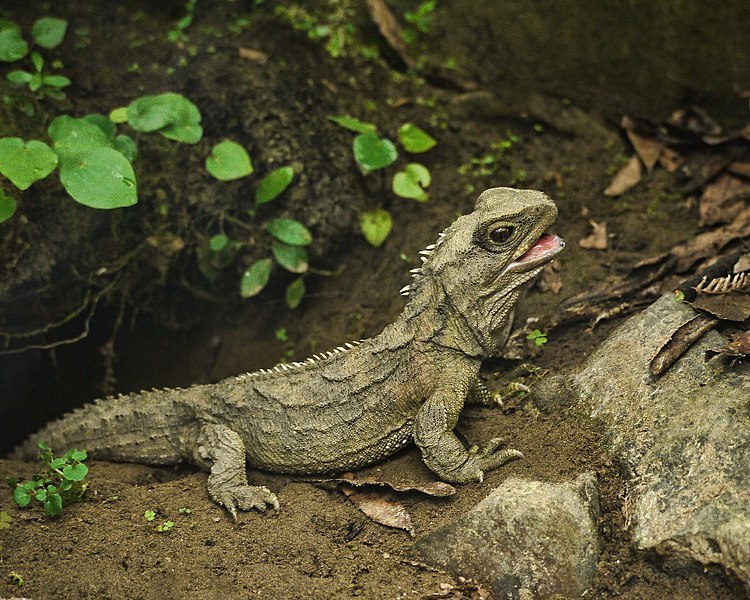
<point>526,537</point>
<point>683,439</point>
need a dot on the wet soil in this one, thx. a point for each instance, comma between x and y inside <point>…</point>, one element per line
<point>319,545</point>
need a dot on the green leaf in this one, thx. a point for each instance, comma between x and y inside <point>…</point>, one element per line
<point>48,32</point>
<point>414,139</point>
<point>119,115</point>
<point>53,505</point>
<point>292,258</point>
<point>218,242</point>
<point>255,278</point>
<point>353,124</point>
<point>104,123</point>
<point>372,152</point>
<point>100,178</point>
<point>149,515</point>
<point>75,472</point>
<point>58,463</point>
<point>22,495</point>
<point>228,161</point>
<point>38,61</point>
<point>412,181</point>
<point>56,81</point>
<point>376,225</point>
<point>41,495</point>
<point>172,115</point>
<point>25,163</point>
<point>12,45</point>
<point>35,82</point>
<point>295,291</point>
<point>273,184</point>
<point>73,137</point>
<point>126,146</point>
<point>19,77</point>
<point>7,207</point>
<point>290,232</point>
<point>79,455</point>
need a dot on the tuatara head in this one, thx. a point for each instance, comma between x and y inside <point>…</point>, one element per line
<point>479,263</point>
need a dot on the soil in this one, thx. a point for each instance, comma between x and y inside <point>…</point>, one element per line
<point>160,333</point>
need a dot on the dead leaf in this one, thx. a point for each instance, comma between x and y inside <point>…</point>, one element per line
<point>670,159</point>
<point>739,168</point>
<point>627,177</point>
<point>254,55</point>
<point>739,347</point>
<point>550,280</point>
<point>390,29</point>
<point>381,507</point>
<point>709,243</point>
<point>732,306</point>
<point>438,489</point>
<point>723,199</point>
<point>648,149</point>
<point>598,238</point>
<point>678,343</point>
<point>696,120</point>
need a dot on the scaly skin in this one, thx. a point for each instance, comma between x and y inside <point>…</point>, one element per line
<point>361,402</point>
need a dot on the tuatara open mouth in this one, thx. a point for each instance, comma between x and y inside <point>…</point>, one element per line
<point>543,251</point>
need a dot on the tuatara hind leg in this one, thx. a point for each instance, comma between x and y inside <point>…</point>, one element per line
<point>221,450</point>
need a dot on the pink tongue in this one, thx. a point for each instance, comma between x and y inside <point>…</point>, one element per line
<point>543,245</point>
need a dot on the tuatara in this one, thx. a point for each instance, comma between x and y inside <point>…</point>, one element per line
<point>362,401</point>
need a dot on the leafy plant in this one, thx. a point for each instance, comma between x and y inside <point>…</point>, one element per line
<point>38,81</point>
<point>273,184</point>
<point>421,19</point>
<point>537,337</point>
<point>164,527</point>
<point>228,161</point>
<point>16,578</point>
<point>488,163</point>
<point>338,30</point>
<point>177,33</point>
<point>373,152</point>
<point>60,481</point>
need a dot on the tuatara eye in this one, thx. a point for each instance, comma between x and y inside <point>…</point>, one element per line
<point>500,234</point>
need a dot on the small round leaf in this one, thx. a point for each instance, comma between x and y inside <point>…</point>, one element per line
<point>295,291</point>
<point>7,207</point>
<point>173,115</point>
<point>372,152</point>
<point>410,182</point>
<point>228,161</point>
<point>273,184</point>
<point>100,178</point>
<point>12,45</point>
<point>25,163</point>
<point>218,242</point>
<point>79,455</point>
<point>22,496</point>
<point>353,124</point>
<point>75,472</point>
<point>414,139</point>
<point>48,32</point>
<point>255,278</point>
<point>292,258</point>
<point>56,81</point>
<point>73,137</point>
<point>119,115</point>
<point>376,225</point>
<point>290,232</point>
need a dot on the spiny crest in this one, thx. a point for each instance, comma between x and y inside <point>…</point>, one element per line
<point>314,359</point>
<point>722,285</point>
<point>424,256</point>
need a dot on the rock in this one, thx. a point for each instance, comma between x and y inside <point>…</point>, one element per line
<point>526,539</point>
<point>683,439</point>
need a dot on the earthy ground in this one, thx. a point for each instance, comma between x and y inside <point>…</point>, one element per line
<point>319,545</point>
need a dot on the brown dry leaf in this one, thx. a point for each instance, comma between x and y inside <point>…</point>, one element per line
<point>648,149</point>
<point>678,343</point>
<point>550,280</point>
<point>628,176</point>
<point>381,507</point>
<point>670,160</point>
<point>709,243</point>
<point>598,238</point>
<point>723,199</point>
<point>390,29</point>
<point>438,489</point>
<point>739,347</point>
<point>732,306</point>
<point>253,55</point>
<point>740,168</point>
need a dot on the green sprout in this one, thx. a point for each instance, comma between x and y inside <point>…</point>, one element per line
<point>537,337</point>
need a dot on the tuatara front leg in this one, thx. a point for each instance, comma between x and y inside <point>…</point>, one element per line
<point>222,451</point>
<point>482,395</point>
<point>442,451</point>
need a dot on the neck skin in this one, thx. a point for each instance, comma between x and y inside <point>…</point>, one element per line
<point>438,317</point>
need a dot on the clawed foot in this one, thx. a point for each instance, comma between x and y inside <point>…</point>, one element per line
<point>486,459</point>
<point>245,497</point>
